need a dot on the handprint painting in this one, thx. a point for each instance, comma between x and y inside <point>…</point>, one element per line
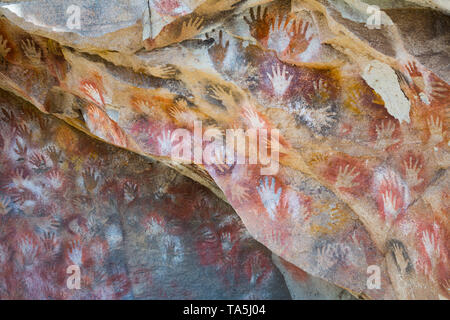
<point>135,150</point>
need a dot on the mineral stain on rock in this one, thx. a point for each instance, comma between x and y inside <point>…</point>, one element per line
<point>362,151</point>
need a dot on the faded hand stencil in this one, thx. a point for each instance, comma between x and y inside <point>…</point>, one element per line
<point>354,183</point>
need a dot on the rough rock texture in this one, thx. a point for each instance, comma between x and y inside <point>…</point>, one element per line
<point>136,228</point>
<point>362,175</point>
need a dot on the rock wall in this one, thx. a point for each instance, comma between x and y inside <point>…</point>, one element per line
<point>352,102</point>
